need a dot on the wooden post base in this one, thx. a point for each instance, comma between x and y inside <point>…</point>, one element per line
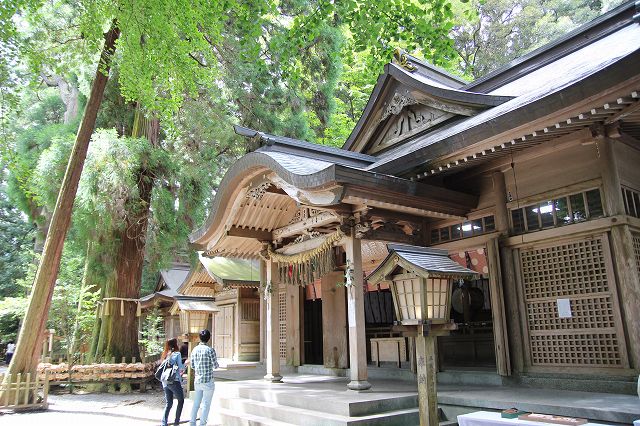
<point>359,385</point>
<point>273,378</point>
<point>426,364</point>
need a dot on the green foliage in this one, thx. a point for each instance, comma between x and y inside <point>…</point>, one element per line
<point>152,339</point>
<point>16,241</point>
<point>490,33</point>
<point>12,310</point>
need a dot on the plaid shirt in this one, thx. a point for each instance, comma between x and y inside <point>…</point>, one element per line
<point>203,362</point>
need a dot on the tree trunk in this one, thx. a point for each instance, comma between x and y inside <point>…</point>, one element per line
<point>118,335</point>
<point>69,94</point>
<point>25,359</point>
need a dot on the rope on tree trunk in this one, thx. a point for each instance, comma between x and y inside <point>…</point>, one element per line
<point>103,305</point>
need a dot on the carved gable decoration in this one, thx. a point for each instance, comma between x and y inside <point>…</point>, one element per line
<point>403,117</point>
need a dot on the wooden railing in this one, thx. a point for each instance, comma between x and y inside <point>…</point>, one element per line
<point>24,391</point>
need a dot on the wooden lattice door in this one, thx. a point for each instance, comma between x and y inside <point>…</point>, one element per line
<point>580,271</point>
<point>224,331</point>
<point>282,323</point>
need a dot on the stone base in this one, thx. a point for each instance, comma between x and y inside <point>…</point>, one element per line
<point>274,378</point>
<point>359,385</point>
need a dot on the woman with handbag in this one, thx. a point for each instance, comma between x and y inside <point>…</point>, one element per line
<point>172,381</point>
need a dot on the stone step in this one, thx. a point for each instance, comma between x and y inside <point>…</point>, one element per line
<point>236,418</point>
<point>462,377</point>
<point>625,385</point>
<point>303,416</point>
<point>343,408</point>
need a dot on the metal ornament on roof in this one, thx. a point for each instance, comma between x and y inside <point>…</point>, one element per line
<point>400,58</point>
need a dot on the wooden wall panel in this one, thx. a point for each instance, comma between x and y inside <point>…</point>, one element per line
<point>539,175</point>
<point>627,160</point>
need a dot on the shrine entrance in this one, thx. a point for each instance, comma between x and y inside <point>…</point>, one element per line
<point>313,332</point>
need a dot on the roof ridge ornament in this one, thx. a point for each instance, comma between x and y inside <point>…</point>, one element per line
<point>400,58</point>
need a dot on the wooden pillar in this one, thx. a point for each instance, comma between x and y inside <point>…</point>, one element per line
<point>623,254</point>
<point>506,266</point>
<point>355,314</point>
<point>334,322</point>
<point>263,312</point>
<point>293,325</point>
<point>272,325</point>
<point>426,365</point>
<point>500,339</point>
<point>237,320</point>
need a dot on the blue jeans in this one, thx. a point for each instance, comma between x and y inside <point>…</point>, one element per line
<point>203,393</point>
<point>171,390</point>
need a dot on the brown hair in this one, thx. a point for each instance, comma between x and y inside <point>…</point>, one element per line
<point>170,345</point>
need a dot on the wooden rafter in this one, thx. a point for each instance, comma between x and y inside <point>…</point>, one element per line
<point>257,234</point>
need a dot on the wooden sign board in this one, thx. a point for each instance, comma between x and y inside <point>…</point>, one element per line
<point>548,418</point>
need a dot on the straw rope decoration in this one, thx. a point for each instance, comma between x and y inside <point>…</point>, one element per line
<point>304,268</point>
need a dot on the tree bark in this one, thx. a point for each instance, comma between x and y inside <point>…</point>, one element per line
<point>118,335</point>
<point>69,93</point>
<point>29,343</point>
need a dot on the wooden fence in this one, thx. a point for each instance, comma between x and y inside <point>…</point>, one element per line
<point>24,391</point>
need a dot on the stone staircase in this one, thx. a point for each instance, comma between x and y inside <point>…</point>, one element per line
<point>249,407</point>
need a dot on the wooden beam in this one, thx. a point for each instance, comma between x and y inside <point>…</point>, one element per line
<point>391,215</point>
<point>257,234</point>
<point>322,219</point>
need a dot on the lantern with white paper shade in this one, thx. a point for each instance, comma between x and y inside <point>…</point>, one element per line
<point>420,280</point>
<point>194,312</point>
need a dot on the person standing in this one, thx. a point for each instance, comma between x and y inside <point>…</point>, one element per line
<point>203,362</point>
<point>11,348</point>
<point>173,387</point>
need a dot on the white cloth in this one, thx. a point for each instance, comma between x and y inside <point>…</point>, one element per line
<point>11,348</point>
<point>490,418</point>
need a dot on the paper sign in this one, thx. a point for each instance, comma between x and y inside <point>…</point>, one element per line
<point>564,308</point>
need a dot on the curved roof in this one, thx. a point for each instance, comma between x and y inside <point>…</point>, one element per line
<point>566,83</point>
<point>427,88</point>
<point>263,190</point>
<point>224,269</point>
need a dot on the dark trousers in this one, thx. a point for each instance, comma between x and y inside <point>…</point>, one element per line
<point>8,357</point>
<point>173,390</point>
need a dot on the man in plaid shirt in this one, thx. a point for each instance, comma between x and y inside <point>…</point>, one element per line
<point>203,361</point>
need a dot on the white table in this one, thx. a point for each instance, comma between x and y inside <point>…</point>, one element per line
<point>490,418</point>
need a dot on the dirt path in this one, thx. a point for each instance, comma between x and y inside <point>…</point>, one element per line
<point>103,409</point>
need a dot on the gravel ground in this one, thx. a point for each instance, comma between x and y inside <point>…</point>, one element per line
<point>97,409</point>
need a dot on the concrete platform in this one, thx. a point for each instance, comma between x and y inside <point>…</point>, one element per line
<point>325,400</point>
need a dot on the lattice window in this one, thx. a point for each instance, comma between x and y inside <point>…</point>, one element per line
<point>282,319</point>
<point>565,270</point>
<point>576,271</point>
<point>636,249</point>
<point>251,310</point>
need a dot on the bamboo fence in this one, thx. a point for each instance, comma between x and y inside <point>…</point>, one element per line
<point>22,391</point>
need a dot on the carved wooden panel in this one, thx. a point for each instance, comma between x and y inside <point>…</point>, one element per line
<point>411,119</point>
<point>581,272</point>
<point>282,320</point>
